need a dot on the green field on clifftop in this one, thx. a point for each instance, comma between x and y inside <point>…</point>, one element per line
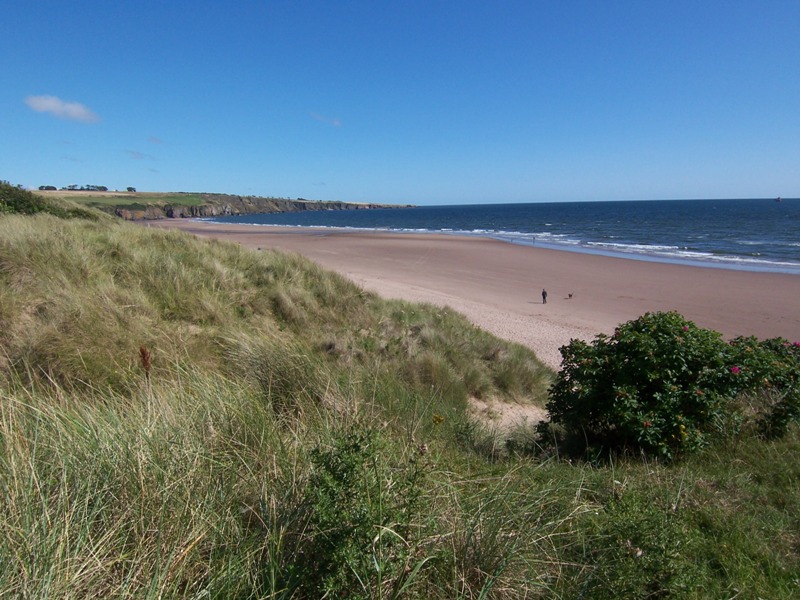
<point>126,199</point>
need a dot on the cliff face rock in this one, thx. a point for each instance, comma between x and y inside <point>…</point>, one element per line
<point>221,204</point>
<point>148,212</point>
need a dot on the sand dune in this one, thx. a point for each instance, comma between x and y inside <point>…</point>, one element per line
<point>498,285</point>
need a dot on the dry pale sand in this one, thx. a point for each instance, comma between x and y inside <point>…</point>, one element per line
<point>498,285</point>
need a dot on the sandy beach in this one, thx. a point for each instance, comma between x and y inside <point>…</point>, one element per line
<point>498,285</point>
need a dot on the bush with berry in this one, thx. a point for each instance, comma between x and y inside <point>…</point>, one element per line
<point>664,386</point>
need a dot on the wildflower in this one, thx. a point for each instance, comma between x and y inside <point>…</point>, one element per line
<point>144,354</point>
<point>686,328</point>
<point>735,370</point>
<point>146,359</point>
<point>438,419</point>
<point>647,424</point>
<point>635,551</point>
<point>796,344</point>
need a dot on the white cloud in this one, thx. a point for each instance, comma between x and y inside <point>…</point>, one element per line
<point>335,122</point>
<point>62,109</point>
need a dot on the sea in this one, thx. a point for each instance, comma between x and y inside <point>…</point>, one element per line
<point>754,234</point>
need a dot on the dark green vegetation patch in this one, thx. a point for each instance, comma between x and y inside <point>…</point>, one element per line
<point>14,199</point>
<point>663,386</point>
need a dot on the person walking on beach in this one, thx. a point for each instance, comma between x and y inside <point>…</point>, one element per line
<point>544,296</point>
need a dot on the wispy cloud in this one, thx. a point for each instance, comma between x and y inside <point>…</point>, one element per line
<point>57,107</point>
<point>136,155</point>
<point>155,140</point>
<point>336,122</point>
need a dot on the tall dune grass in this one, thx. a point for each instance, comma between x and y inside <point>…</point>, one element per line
<point>201,488</point>
<point>80,298</point>
<point>184,418</point>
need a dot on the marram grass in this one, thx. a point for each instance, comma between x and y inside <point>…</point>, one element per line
<point>80,299</point>
<point>201,488</point>
<point>182,418</point>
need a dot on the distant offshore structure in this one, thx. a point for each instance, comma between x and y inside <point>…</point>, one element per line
<point>778,199</point>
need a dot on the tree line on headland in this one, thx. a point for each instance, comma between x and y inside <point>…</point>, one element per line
<point>83,188</point>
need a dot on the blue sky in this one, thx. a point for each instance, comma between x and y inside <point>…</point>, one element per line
<point>425,102</point>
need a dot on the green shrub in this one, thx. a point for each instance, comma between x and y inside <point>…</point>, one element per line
<point>659,384</point>
<point>768,373</point>
<point>362,506</point>
<point>14,199</point>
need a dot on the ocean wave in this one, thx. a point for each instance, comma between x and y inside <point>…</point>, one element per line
<point>777,243</point>
<point>633,247</point>
<point>688,232</point>
<point>674,254</point>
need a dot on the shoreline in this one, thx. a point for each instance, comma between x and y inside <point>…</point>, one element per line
<point>725,263</point>
<point>722,262</point>
<point>497,284</point>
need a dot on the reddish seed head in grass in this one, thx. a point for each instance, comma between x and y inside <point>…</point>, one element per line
<point>145,355</point>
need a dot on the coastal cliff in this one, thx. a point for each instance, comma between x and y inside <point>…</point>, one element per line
<point>212,205</point>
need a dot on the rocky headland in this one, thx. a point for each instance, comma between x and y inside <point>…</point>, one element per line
<point>214,205</point>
